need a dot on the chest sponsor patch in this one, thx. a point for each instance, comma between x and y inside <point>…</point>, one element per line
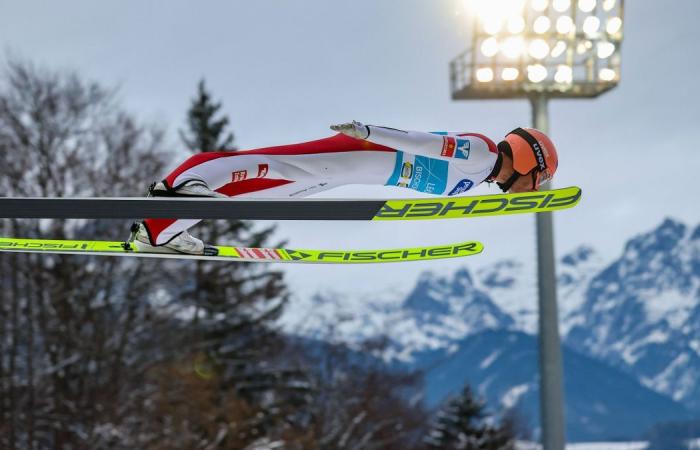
<point>463,148</point>
<point>463,186</point>
<point>419,173</point>
<point>429,175</point>
<point>455,147</point>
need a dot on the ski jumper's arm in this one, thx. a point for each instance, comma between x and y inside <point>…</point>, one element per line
<point>474,149</point>
<point>436,145</point>
<point>472,152</point>
<point>416,142</point>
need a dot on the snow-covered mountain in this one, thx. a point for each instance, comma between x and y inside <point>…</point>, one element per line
<point>439,310</point>
<point>639,314</point>
<point>642,312</point>
<point>435,313</point>
<point>513,287</point>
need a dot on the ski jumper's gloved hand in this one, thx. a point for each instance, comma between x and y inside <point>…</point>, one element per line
<point>355,129</point>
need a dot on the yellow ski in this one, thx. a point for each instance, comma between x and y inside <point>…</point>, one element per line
<point>248,254</point>
<point>289,209</point>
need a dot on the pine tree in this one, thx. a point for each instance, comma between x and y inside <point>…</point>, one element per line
<point>205,132</point>
<point>463,424</point>
<point>233,288</point>
<point>236,304</point>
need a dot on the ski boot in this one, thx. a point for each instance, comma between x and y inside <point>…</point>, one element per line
<point>192,188</point>
<point>182,243</point>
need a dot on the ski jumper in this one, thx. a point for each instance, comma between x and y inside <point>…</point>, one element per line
<point>435,163</point>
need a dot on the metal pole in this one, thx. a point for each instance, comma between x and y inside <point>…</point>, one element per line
<point>551,379</point>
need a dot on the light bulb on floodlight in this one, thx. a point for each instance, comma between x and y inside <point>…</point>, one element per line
<point>484,75</point>
<point>605,49</point>
<point>581,48</point>
<point>539,5</point>
<point>591,25</point>
<point>489,47</point>
<point>541,25</point>
<point>536,73</point>
<point>614,25</point>
<point>564,74</point>
<point>608,5</point>
<point>516,24</point>
<point>512,5</point>
<point>513,47</point>
<point>586,5</point>
<point>565,25</point>
<point>607,74</point>
<point>500,9</point>
<point>538,48</point>
<point>561,5</point>
<point>492,24</point>
<point>558,49</point>
<point>510,74</point>
<point>489,12</point>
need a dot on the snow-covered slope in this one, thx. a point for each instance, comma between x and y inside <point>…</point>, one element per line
<point>513,287</point>
<point>348,317</point>
<point>601,401</point>
<point>574,273</point>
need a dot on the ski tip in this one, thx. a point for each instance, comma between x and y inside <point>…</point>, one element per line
<point>575,193</point>
<point>412,254</point>
<point>461,207</point>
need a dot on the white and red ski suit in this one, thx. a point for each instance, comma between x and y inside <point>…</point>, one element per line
<point>437,163</point>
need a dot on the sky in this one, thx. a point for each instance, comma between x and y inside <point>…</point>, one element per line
<point>286,70</point>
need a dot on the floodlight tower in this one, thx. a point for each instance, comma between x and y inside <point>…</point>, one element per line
<point>542,49</point>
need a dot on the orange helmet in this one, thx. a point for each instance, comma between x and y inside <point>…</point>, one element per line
<point>532,152</point>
